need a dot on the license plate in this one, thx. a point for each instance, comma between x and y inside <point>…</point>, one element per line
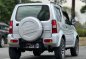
<point>37,45</point>
<point>31,46</point>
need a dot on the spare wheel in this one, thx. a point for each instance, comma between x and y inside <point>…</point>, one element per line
<point>30,28</point>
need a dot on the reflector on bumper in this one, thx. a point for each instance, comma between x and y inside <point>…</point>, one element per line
<point>47,41</point>
<point>14,41</point>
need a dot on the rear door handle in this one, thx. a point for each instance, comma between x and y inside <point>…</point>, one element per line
<point>17,24</point>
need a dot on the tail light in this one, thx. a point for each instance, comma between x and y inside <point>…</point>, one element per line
<point>14,41</point>
<point>54,26</point>
<point>11,27</point>
<point>47,40</point>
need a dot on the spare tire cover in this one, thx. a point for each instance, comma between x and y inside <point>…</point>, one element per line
<point>30,28</point>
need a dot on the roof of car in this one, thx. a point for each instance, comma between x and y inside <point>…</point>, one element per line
<point>25,4</point>
<point>1,23</point>
<point>35,4</point>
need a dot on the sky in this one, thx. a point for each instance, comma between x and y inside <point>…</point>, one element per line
<point>79,4</point>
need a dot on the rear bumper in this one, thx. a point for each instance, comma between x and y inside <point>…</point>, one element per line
<point>22,43</point>
<point>11,44</point>
<point>56,39</point>
<point>54,43</point>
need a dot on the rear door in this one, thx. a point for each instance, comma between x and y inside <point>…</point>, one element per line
<point>69,34</point>
<point>68,31</point>
<point>42,12</point>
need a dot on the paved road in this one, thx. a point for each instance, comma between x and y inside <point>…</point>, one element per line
<point>45,55</point>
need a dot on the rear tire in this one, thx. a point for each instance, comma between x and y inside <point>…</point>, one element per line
<point>2,42</point>
<point>75,50</point>
<point>60,51</point>
<point>14,53</point>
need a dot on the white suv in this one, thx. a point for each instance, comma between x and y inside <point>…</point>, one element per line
<point>39,27</point>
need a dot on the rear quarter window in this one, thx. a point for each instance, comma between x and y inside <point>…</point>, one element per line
<point>39,11</point>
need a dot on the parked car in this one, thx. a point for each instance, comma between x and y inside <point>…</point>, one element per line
<point>39,27</point>
<point>3,34</point>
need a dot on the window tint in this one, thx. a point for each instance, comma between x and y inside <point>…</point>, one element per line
<point>66,18</point>
<point>3,27</point>
<point>58,14</point>
<point>40,11</point>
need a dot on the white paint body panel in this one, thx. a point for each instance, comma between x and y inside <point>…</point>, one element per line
<point>67,30</point>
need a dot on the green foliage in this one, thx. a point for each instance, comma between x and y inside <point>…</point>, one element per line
<point>84,25</point>
<point>83,9</point>
<point>81,32</point>
<point>29,1</point>
<point>81,29</point>
<point>6,8</point>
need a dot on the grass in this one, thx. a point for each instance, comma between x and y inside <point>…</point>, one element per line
<point>82,41</point>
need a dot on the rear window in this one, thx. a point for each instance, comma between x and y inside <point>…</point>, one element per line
<point>39,11</point>
<point>3,27</point>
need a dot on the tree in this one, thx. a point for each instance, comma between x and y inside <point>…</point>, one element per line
<point>84,25</point>
<point>83,9</point>
<point>80,29</point>
<point>78,25</point>
<point>83,1</point>
<point>27,1</point>
<point>6,8</point>
<point>73,9</point>
<point>60,1</point>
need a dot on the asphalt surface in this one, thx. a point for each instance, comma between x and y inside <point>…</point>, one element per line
<point>29,55</point>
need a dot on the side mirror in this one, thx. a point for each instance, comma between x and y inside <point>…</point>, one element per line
<point>73,21</point>
<point>68,22</point>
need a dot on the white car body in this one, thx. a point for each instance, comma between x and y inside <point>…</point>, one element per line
<point>66,31</point>
<point>69,32</point>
